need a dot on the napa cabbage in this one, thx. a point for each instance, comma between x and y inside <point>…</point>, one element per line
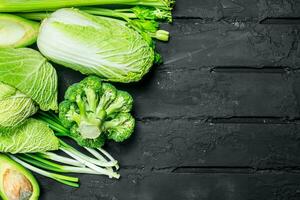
<point>102,46</point>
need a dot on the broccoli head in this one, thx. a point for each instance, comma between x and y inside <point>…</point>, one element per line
<point>94,111</point>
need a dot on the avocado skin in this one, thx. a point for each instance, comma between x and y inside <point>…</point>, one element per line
<point>8,163</point>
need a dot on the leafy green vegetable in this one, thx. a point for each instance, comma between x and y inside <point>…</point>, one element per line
<point>42,5</point>
<point>97,45</point>
<point>94,111</point>
<point>16,31</point>
<point>16,183</point>
<point>30,73</point>
<point>15,107</point>
<point>32,136</point>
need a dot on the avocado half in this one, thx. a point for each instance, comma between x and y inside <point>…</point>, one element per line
<point>16,182</point>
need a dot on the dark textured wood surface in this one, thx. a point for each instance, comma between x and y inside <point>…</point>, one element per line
<point>219,120</point>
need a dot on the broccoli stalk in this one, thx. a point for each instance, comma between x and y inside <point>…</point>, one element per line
<point>88,123</point>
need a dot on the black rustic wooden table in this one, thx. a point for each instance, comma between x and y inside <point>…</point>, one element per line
<point>219,120</point>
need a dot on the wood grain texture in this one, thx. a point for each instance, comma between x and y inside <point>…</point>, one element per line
<point>196,44</point>
<point>141,185</point>
<point>237,9</point>
<point>196,143</point>
<point>188,94</point>
<point>200,93</point>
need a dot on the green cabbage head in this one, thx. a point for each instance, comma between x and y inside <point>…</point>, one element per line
<point>29,72</point>
<point>15,107</point>
<point>27,82</point>
<point>95,45</point>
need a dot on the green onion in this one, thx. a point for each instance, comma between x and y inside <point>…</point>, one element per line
<point>60,159</point>
<point>68,149</point>
<point>48,165</point>
<point>67,180</point>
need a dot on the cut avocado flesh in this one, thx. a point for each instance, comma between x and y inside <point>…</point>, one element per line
<point>16,182</point>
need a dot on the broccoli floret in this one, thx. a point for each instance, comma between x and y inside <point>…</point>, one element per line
<point>73,91</point>
<point>109,94</point>
<point>92,87</point>
<point>122,103</point>
<point>64,108</point>
<point>120,128</point>
<point>89,105</point>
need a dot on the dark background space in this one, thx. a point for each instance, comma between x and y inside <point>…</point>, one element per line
<point>219,120</point>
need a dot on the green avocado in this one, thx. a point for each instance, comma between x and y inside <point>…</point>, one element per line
<point>16,182</point>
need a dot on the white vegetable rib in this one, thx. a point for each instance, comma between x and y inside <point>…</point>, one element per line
<point>81,61</point>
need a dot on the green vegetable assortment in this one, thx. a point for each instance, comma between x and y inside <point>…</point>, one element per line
<point>107,45</point>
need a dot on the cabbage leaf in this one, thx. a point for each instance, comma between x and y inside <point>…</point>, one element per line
<point>28,71</point>
<point>33,136</point>
<point>15,107</point>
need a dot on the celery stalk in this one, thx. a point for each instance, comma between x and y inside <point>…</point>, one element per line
<point>46,5</point>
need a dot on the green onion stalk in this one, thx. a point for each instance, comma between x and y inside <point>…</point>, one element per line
<point>52,165</point>
<point>67,180</point>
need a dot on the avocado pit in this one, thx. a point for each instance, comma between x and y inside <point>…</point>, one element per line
<point>16,186</point>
